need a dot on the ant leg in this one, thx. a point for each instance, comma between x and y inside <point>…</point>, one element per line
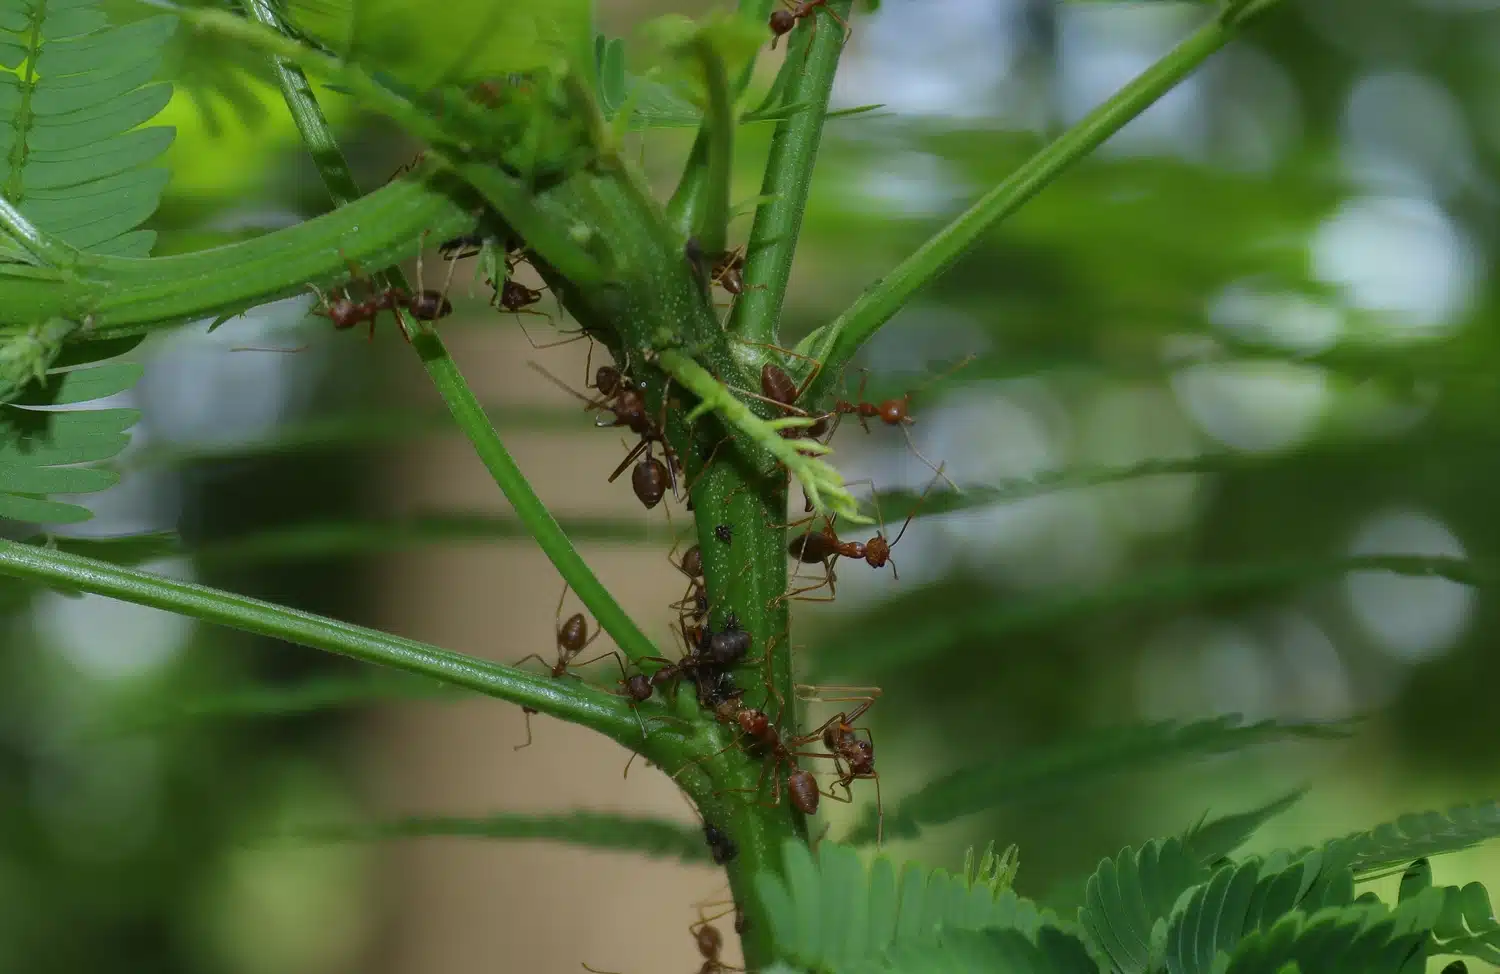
<point>595,404</point>
<point>848,31</point>
<point>936,469</point>
<point>530,656</point>
<point>525,712</point>
<point>729,747</point>
<point>915,507</point>
<point>635,451</point>
<point>595,970</point>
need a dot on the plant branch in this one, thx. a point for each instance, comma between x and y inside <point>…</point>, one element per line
<point>459,398</point>
<point>835,344</point>
<point>572,701</point>
<point>824,484</point>
<point>788,178</point>
<point>43,247</point>
<point>471,419</point>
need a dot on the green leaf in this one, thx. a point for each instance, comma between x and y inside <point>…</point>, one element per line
<point>340,539</point>
<point>1040,772</point>
<point>1424,834</point>
<point>1210,841</point>
<point>1129,896</point>
<point>1467,925</point>
<point>82,180</point>
<point>657,838</point>
<point>1339,940</point>
<point>1212,920</point>
<point>990,951</point>
<point>406,42</point>
<point>834,914</point>
<point>308,697</point>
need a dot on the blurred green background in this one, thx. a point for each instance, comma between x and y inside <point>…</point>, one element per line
<point>1281,268</point>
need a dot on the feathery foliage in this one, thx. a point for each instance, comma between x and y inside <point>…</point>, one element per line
<point>1046,771</point>
<point>76,163</point>
<point>1424,834</point>
<point>653,837</point>
<point>833,914</point>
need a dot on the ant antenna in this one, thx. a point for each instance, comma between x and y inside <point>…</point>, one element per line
<point>915,507</point>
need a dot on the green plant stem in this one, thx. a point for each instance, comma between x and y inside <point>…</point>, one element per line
<point>471,419</point>
<point>569,700</point>
<point>459,398</point>
<point>788,180</point>
<point>311,123</point>
<point>711,221</point>
<point>823,484</point>
<point>43,247</point>
<point>836,343</point>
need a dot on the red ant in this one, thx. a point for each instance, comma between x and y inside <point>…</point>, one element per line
<point>826,547</point>
<point>782,21</point>
<point>710,943</point>
<point>621,397</point>
<point>572,638</point>
<point>425,305</point>
<point>853,757</point>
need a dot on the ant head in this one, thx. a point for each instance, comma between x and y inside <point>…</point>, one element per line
<point>638,688</point>
<point>753,722</point>
<point>861,756</point>
<point>607,379</point>
<point>430,306</point>
<point>782,22</point>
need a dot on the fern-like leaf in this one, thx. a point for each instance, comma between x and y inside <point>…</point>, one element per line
<point>1211,840</point>
<point>40,449</point>
<point>1356,939</point>
<point>658,838</point>
<point>1467,924</point>
<point>831,913</point>
<point>1424,834</point>
<point>309,697</point>
<point>1045,771</point>
<point>991,951</point>
<point>79,165</point>
<point>1128,899</point>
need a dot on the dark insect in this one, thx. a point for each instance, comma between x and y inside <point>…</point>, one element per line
<point>720,845</point>
<point>724,532</point>
<point>825,547</point>
<point>425,305</point>
<point>782,21</point>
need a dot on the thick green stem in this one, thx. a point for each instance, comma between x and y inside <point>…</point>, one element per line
<point>711,221</point>
<point>788,179</point>
<point>835,344</point>
<point>569,700</point>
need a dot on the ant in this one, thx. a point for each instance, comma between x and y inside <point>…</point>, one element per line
<point>572,638</point>
<point>853,757</point>
<point>621,397</point>
<point>425,305</point>
<point>782,21</point>
<point>826,547</point>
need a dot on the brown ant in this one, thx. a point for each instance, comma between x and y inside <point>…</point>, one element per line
<point>826,547</point>
<point>425,305</point>
<point>572,639</point>
<point>622,398</point>
<point>853,757</point>
<point>782,21</point>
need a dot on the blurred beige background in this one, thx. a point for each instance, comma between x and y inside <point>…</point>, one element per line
<point>465,905</point>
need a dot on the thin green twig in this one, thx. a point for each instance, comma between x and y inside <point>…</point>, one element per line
<point>788,179</point>
<point>836,343</point>
<point>569,700</point>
